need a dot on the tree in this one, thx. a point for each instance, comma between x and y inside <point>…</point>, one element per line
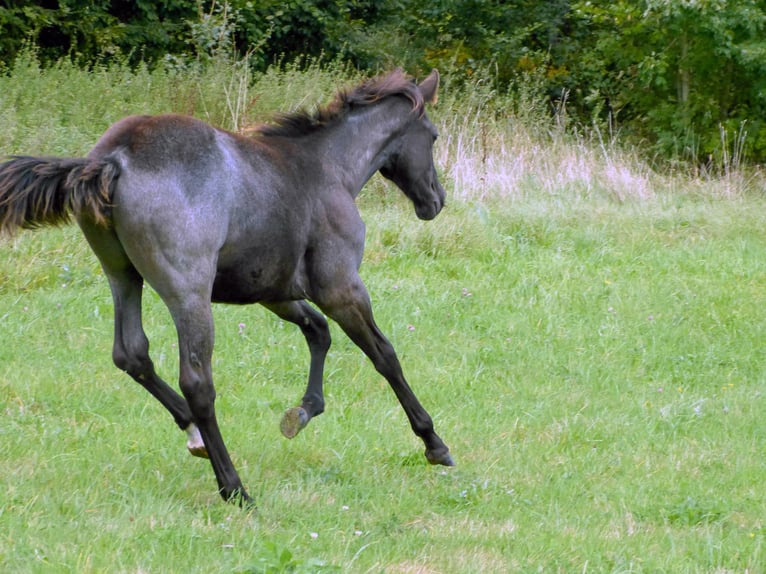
<point>678,72</point>
<point>675,73</point>
<point>86,30</point>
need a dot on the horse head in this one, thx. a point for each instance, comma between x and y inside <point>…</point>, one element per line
<point>410,163</point>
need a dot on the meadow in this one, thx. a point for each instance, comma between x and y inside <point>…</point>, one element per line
<point>585,330</point>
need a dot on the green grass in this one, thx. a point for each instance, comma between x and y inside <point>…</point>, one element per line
<point>596,368</point>
<point>593,359</point>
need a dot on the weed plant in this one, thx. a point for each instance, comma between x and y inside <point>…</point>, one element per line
<point>586,332</point>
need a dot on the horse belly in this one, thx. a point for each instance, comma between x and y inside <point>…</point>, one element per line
<point>246,284</point>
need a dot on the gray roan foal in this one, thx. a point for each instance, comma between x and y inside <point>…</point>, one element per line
<point>204,215</point>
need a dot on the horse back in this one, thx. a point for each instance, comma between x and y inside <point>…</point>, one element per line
<point>191,192</point>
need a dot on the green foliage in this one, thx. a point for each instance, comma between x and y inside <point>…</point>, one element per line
<point>688,78</point>
<point>274,560</point>
<point>679,73</point>
<point>87,30</point>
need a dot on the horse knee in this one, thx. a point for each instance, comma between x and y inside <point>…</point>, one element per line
<point>135,364</point>
<point>322,339</point>
<point>317,333</point>
<point>200,395</point>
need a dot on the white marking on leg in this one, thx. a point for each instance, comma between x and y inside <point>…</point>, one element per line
<point>194,441</point>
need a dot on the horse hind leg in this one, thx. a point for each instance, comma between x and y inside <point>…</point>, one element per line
<point>130,350</point>
<point>130,353</point>
<point>317,334</point>
<point>194,322</point>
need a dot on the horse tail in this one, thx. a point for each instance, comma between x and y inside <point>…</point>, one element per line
<point>42,191</point>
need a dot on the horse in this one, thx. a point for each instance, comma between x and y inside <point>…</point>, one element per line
<point>204,215</point>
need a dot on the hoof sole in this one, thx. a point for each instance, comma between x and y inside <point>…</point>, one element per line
<point>199,452</point>
<point>293,421</point>
<point>194,442</point>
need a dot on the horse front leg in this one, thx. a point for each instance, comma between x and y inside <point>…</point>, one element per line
<point>194,323</point>
<point>317,334</point>
<point>350,307</point>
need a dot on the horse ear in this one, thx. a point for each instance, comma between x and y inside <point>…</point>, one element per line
<point>429,87</point>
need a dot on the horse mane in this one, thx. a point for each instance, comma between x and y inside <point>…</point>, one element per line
<point>302,122</point>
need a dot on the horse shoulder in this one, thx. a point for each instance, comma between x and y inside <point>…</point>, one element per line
<point>337,238</point>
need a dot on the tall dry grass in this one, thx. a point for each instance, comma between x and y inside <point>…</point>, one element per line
<point>494,145</point>
<point>516,144</point>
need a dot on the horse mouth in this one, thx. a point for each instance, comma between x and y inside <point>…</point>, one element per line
<point>428,211</point>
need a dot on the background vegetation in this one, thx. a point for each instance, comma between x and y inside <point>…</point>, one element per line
<point>682,79</point>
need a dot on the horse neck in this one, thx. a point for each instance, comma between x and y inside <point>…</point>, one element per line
<point>360,144</point>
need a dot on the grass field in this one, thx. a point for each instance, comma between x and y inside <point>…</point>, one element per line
<point>586,334</point>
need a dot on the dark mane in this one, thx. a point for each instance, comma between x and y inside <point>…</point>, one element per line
<point>299,123</point>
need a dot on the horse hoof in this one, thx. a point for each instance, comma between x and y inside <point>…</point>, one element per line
<point>239,498</point>
<point>444,458</point>
<point>200,452</point>
<point>194,442</point>
<point>293,421</point>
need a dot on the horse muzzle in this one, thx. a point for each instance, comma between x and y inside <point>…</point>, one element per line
<point>431,207</point>
<point>428,212</point>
